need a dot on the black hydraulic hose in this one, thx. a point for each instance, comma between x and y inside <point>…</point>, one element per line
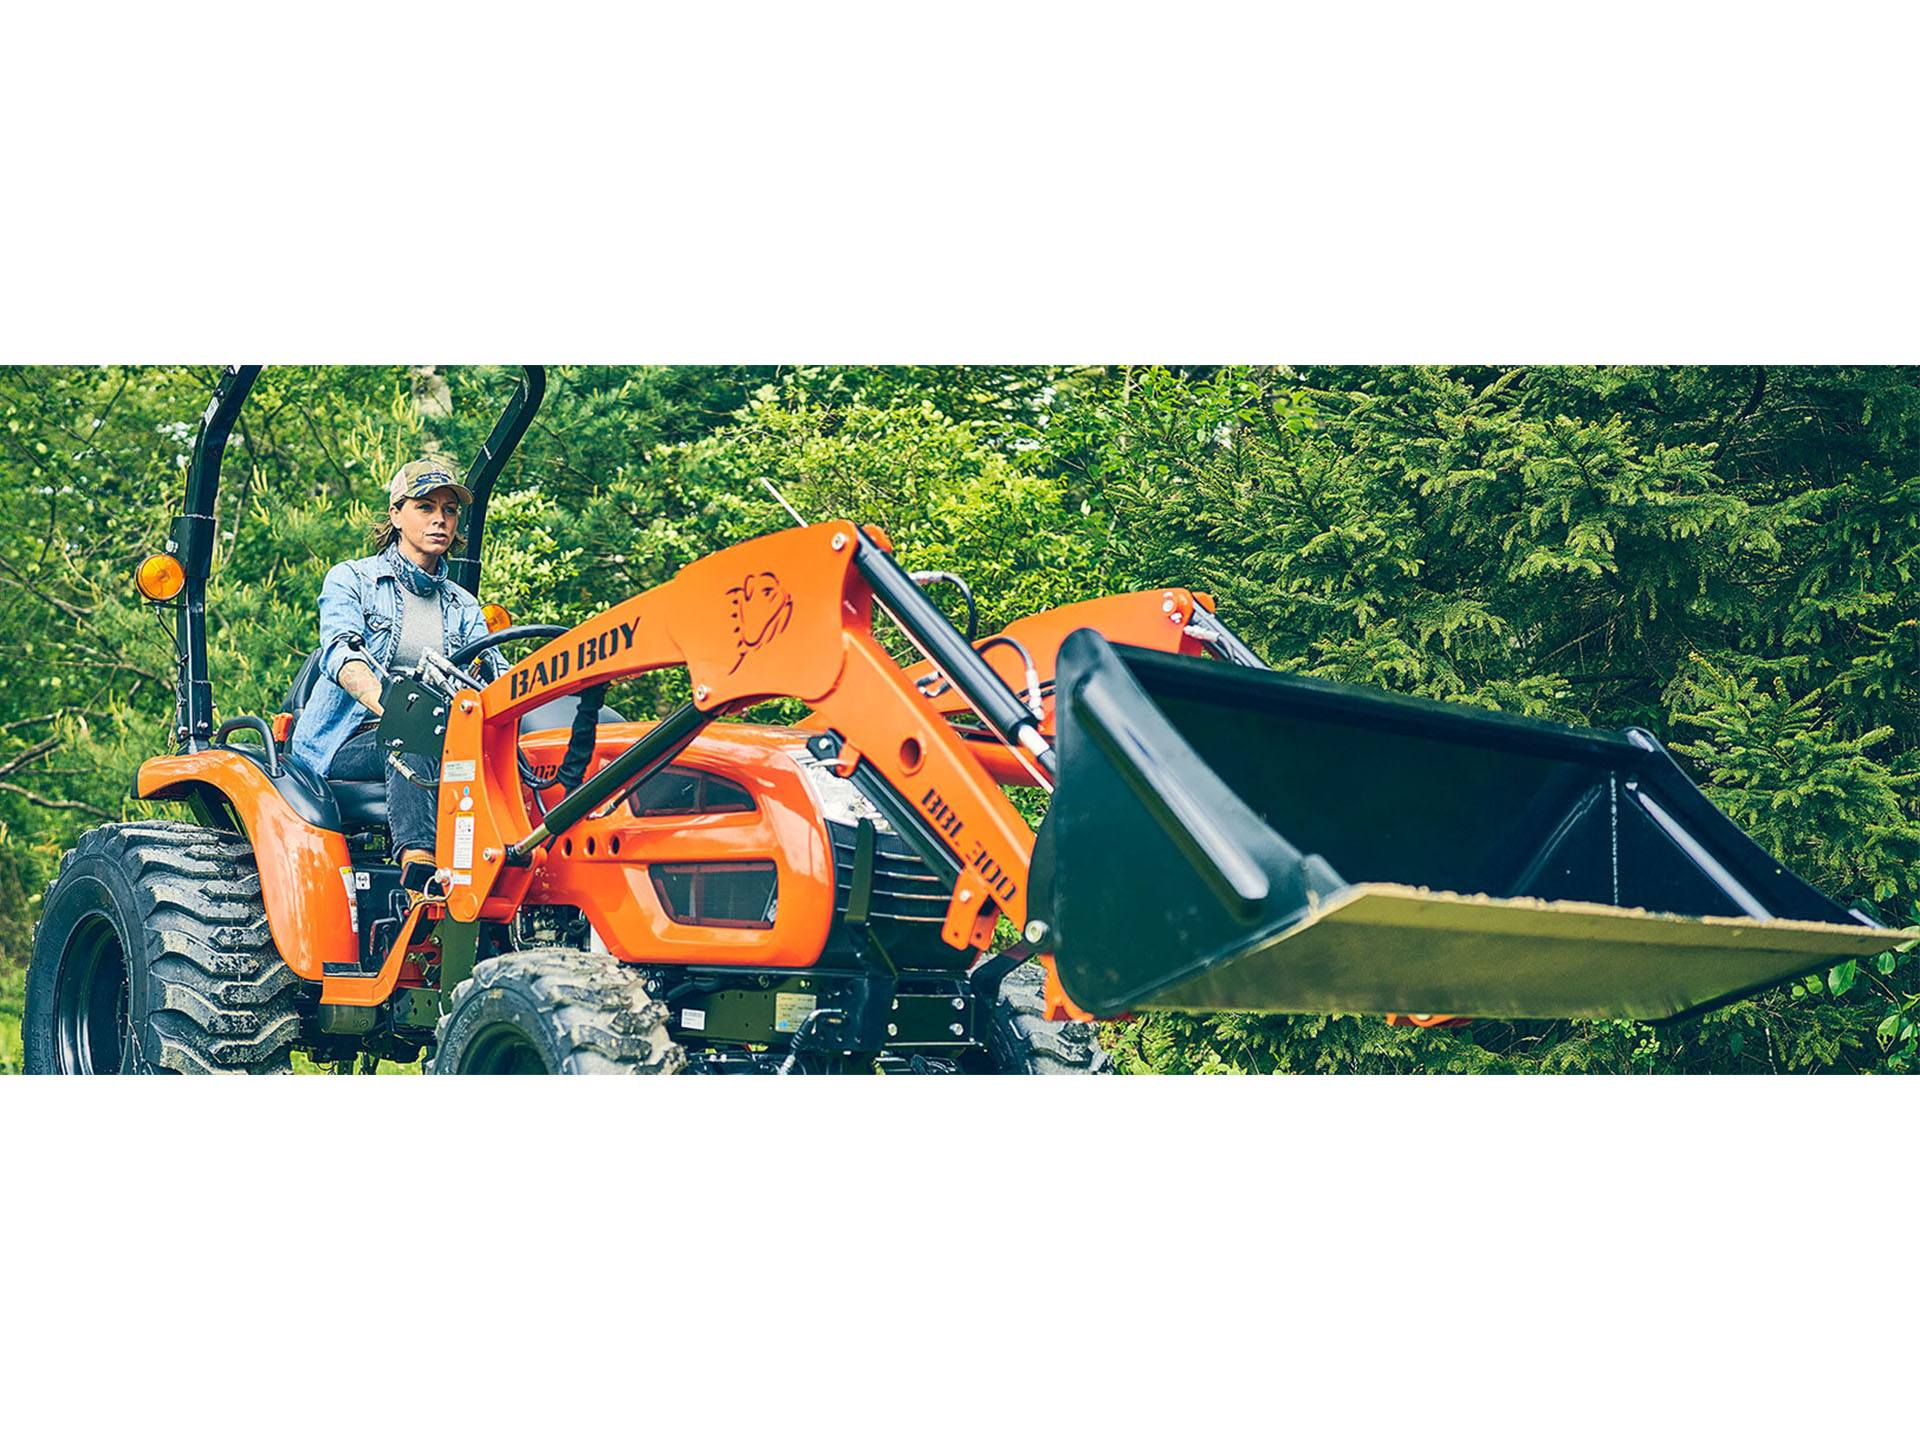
<point>1026,659</point>
<point>586,726</point>
<point>993,699</point>
<point>924,578</point>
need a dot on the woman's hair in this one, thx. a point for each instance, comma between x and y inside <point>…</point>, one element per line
<point>383,534</point>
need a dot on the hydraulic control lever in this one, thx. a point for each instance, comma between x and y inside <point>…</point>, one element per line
<point>365,656</point>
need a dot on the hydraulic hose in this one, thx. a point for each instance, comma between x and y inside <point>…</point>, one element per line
<point>586,725</point>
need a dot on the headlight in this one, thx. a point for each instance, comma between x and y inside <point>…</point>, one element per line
<point>839,799</point>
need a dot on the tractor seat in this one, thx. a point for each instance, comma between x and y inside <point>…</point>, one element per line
<point>363,803</point>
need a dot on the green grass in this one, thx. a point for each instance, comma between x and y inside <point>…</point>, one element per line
<point>13,1004</point>
<point>303,1066</point>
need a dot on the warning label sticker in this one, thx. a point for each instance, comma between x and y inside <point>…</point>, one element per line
<point>790,1007</point>
<point>693,1019</point>
<point>457,770</point>
<point>463,842</point>
<point>353,904</point>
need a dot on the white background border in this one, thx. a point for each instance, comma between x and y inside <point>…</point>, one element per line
<point>460,183</point>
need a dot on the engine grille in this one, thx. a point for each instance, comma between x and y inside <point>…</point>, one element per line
<point>730,894</point>
<point>905,911</point>
<point>905,891</point>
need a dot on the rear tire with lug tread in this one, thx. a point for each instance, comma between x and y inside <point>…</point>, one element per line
<point>554,1011</point>
<point>153,955</point>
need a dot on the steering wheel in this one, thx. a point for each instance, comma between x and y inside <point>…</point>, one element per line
<point>472,650</point>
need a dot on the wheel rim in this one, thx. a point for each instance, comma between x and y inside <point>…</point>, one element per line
<point>502,1050</point>
<point>93,1007</point>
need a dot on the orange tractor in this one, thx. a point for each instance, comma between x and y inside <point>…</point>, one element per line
<point>860,891</point>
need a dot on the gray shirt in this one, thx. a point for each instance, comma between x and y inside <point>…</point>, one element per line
<point>420,628</point>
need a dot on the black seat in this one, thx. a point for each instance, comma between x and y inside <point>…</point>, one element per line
<point>363,803</point>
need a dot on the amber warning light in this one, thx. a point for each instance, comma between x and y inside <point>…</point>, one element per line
<point>496,617</point>
<point>160,577</point>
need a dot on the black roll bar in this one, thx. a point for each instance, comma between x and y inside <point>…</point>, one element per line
<point>464,570</point>
<point>191,542</point>
<point>191,538</point>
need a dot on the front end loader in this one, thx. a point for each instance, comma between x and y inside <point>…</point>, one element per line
<point>860,891</point>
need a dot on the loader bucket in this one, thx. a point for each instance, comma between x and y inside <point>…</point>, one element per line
<point>1227,838</point>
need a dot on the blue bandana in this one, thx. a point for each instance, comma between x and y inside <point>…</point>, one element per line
<point>421,582</point>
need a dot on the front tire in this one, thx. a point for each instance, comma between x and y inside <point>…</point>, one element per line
<point>1021,1041</point>
<point>153,955</point>
<point>554,1012</point>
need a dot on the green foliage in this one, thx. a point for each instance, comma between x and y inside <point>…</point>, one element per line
<point>1721,556</point>
<point>13,1008</point>
<point>1725,556</point>
<point>1798,784</point>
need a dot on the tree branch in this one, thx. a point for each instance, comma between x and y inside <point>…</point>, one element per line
<point>32,752</point>
<point>33,720</point>
<point>313,429</point>
<point>66,608</point>
<point>50,803</point>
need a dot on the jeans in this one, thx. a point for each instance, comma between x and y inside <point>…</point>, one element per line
<point>412,813</point>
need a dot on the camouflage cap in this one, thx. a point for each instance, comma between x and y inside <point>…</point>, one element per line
<point>418,478</point>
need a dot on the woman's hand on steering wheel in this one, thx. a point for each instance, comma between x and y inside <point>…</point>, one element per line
<point>475,648</point>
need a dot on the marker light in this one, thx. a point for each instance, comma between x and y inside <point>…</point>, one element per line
<point>160,577</point>
<point>496,617</point>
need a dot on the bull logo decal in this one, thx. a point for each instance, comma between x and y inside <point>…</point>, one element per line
<point>761,610</point>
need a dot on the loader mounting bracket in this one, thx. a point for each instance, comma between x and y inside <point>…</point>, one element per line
<point>414,723</point>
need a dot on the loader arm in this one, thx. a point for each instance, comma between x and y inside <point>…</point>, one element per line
<point>1159,620</point>
<point>785,615</point>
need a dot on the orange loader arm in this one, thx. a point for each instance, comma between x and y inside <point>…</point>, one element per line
<point>786,614</point>
<point>1145,619</point>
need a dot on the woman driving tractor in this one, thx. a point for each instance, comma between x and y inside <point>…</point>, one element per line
<point>391,606</point>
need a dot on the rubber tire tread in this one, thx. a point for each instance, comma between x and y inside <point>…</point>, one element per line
<point>189,910</point>
<point>586,1013</point>
<point>1021,1041</point>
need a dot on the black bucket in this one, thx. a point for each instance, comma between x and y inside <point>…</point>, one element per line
<point>1228,838</point>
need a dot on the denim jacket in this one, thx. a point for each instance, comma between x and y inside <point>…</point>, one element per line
<point>362,597</point>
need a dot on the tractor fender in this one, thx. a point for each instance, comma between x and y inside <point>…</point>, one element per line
<point>306,875</point>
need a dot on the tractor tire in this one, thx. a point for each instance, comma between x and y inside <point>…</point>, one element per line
<point>554,1011</point>
<point>1021,1041</point>
<point>152,955</point>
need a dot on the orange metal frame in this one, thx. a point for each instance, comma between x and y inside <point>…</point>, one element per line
<point>782,615</point>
